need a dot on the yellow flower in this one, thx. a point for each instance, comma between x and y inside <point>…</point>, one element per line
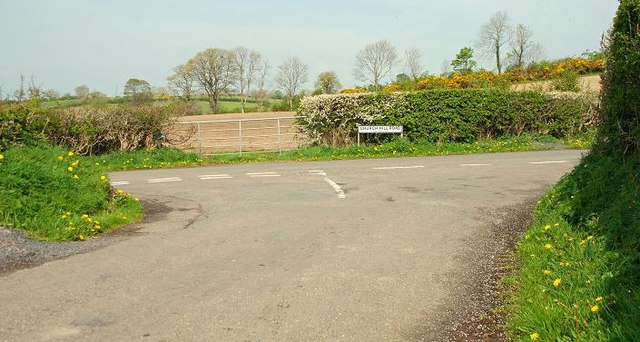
<point>70,154</point>
<point>534,336</point>
<point>557,224</point>
<point>84,216</point>
<point>548,246</point>
<point>590,237</point>
<point>70,169</point>
<point>76,177</point>
<point>103,178</point>
<point>547,227</point>
<point>75,163</point>
<point>557,282</point>
<point>120,191</point>
<point>599,299</point>
<point>595,309</point>
<point>60,158</point>
<point>547,272</point>
<point>1,156</point>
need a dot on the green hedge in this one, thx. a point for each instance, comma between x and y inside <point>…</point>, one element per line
<point>447,115</point>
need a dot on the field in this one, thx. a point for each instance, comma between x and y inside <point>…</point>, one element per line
<point>586,83</point>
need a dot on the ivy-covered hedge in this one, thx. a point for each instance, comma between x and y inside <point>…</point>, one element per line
<point>447,115</point>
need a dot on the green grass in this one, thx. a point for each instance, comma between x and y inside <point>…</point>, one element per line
<point>53,194</point>
<point>587,235</point>
<point>167,158</point>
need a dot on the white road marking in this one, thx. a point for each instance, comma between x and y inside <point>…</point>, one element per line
<point>212,177</point>
<point>262,174</point>
<point>318,172</point>
<point>120,183</point>
<point>548,162</point>
<point>399,167</point>
<point>336,188</point>
<point>164,180</point>
<point>475,164</point>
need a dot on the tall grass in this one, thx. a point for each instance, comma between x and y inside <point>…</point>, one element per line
<point>55,194</point>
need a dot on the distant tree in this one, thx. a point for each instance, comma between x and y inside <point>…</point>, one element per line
<point>82,92</point>
<point>214,71</point>
<point>413,64</point>
<point>445,69</point>
<point>464,62</point>
<point>20,93</point>
<point>374,62</point>
<point>292,74</point>
<point>183,82</point>
<point>50,94</point>
<point>328,83</point>
<point>138,90</point>
<point>523,49</point>
<point>34,91</point>
<point>493,36</point>
<point>249,66</point>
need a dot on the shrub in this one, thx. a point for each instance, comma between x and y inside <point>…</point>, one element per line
<point>446,115</point>
<point>20,125</point>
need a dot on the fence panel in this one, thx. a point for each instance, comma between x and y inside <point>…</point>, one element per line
<point>210,137</point>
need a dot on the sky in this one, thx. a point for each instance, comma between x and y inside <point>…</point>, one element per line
<point>66,43</point>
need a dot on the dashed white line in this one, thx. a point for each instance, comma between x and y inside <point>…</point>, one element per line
<point>318,172</point>
<point>475,164</point>
<point>399,167</point>
<point>213,177</point>
<point>262,174</point>
<point>549,162</point>
<point>164,180</point>
<point>120,183</point>
<point>336,188</point>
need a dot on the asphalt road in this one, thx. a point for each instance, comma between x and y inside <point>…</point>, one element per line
<point>324,251</point>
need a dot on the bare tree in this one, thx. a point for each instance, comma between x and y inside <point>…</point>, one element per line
<point>262,95</point>
<point>292,74</point>
<point>374,62</point>
<point>82,92</point>
<point>215,72</point>
<point>493,36</point>
<point>20,93</point>
<point>413,64</point>
<point>523,49</point>
<point>182,82</point>
<point>248,64</point>
<point>328,83</point>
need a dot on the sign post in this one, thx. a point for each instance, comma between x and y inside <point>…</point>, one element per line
<point>380,130</point>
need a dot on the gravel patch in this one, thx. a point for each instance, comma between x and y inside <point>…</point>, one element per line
<point>18,251</point>
<point>471,313</point>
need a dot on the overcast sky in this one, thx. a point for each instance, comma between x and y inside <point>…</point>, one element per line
<point>66,43</point>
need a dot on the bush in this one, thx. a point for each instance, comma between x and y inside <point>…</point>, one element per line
<point>90,129</point>
<point>446,115</point>
<point>566,81</point>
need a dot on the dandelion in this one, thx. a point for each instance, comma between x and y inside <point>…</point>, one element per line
<point>590,237</point>
<point>534,336</point>
<point>70,169</point>
<point>547,227</point>
<point>595,309</point>
<point>557,282</point>
<point>75,163</point>
<point>84,216</point>
<point>548,246</point>
<point>76,177</point>
<point>599,299</point>
<point>60,158</point>
<point>120,191</point>
<point>547,272</point>
<point>70,154</point>
<point>557,225</point>
<point>103,178</point>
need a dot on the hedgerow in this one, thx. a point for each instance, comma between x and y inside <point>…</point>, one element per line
<point>447,115</point>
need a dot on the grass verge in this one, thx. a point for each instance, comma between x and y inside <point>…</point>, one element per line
<point>579,264</point>
<point>166,158</point>
<point>54,194</point>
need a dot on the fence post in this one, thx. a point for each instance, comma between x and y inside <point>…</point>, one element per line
<point>199,139</point>
<point>279,138</point>
<point>240,134</point>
